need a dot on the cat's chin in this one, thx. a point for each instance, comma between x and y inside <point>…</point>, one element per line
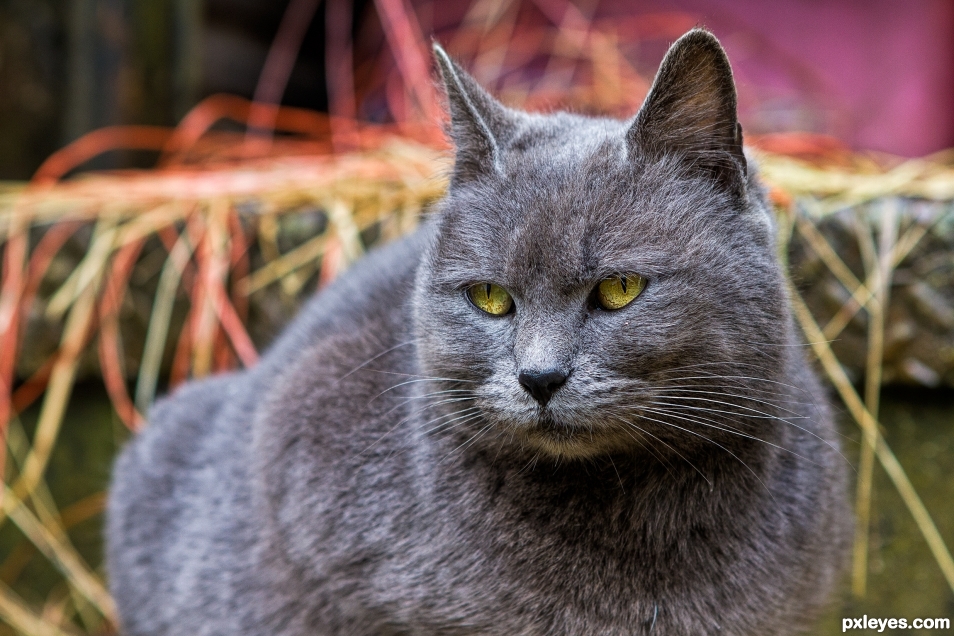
<point>563,441</point>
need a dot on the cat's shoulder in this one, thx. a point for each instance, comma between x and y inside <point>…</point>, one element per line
<point>350,343</point>
<point>207,413</point>
<point>373,290</point>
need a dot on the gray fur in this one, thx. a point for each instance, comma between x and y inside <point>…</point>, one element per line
<point>382,471</point>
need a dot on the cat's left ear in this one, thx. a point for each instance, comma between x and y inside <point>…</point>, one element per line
<point>690,112</point>
<point>479,123</point>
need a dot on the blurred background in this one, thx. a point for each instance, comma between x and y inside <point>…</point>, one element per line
<point>177,175</point>
<point>878,75</point>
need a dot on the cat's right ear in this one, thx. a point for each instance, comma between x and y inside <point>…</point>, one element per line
<point>478,122</point>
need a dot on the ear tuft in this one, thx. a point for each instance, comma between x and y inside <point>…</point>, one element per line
<point>478,122</point>
<point>690,112</point>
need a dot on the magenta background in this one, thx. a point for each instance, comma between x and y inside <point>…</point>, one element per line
<point>878,74</point>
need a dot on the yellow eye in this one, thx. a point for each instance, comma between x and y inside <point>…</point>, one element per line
<point>491,298</point>
<point>618,291</point>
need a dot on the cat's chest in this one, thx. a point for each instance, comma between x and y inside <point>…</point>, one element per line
<point>567,558</point>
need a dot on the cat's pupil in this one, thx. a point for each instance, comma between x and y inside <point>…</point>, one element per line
<point>622,283</point>
<point>487,289</point>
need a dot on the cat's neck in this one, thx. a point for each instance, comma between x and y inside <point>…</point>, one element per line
<point>605,483</point>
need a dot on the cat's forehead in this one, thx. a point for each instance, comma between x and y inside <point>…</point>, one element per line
<point>561,139</point>
<point>568,206</point>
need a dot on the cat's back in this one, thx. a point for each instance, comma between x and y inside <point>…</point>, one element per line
<point>177,525</point>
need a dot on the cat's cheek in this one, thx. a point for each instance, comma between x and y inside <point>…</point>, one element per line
<point>615,337</point>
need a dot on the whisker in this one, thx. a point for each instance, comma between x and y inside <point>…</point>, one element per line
<point>467,443</point>
<point>406,383</point>
<point>710,424</point>
<point>747,467</point>
<point>695,388</point>
<point>661,441</point>
<point>409,398</point>
<point>372,359</point>
<point>425,396</point>
<point>406,419</point>
<point>445,426</point>
<point>757,414</point>
<point>435,378</point>
<point>762,416</point>
<point>613,464</point>
<point>733,377</point>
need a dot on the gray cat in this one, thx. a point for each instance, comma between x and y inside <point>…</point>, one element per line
<point>574,402</point>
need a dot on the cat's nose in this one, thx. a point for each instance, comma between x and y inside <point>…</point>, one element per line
<point>542,384</point>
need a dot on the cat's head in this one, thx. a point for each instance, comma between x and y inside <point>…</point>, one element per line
<point>587,273</point>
